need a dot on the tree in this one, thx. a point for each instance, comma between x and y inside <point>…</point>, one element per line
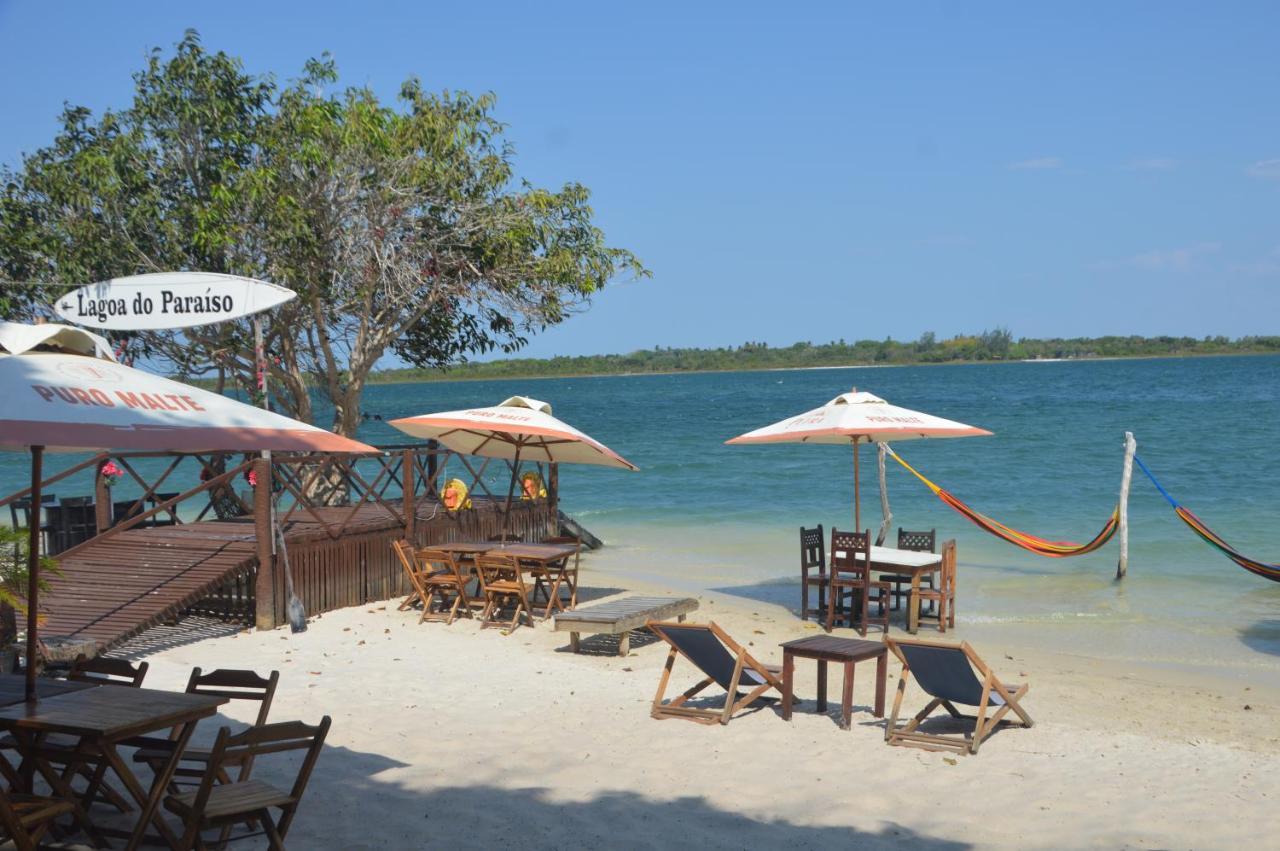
<point>403,229</point>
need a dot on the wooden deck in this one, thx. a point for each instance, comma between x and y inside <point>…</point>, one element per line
<point>112,589</point>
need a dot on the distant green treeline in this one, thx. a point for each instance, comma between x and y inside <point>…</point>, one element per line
<point>997,345</point>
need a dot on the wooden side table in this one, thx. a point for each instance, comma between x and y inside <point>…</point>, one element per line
<point>846,651</point>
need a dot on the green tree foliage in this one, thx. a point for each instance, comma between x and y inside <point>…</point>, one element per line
<point>997,345</point>
<point>403,228</point>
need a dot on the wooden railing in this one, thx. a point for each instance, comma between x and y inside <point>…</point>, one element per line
<point>339,514</point>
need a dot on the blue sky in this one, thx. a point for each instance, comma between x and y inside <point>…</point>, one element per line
<point>813,171</point>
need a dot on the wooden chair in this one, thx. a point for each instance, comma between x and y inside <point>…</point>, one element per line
<point>404,551</point>
<point>215,804</point>
<point>232,684</point>
<point>569,572</point>
<point>62,750</point>
<point>946,673</point>
<point>726,664</point>
<point>945,592</point>
<point>505,537</point>
<point>920,542</point>
<point>25,818</point>
<point>502,582</point>
<point>813,556</point>
<point>850,576</point>
<point>441,584</point>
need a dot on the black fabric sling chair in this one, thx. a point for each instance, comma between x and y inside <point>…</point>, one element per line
<point>945,672</point>
<point>726,664</point>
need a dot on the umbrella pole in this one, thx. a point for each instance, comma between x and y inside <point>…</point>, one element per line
<point>511,490</point>
<point>857,497</point>
<point>33,568</point>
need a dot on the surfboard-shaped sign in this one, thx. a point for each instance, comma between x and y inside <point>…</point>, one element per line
<point>167,300</point>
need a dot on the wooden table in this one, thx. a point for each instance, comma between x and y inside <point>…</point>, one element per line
<point>846,651</point>
<point>621,616</point>
<point>102,718</point>
<point>917,564</point>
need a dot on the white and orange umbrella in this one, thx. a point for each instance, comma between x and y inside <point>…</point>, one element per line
<point>64,390</point>
<point>518,427</point>
<point>856,418</point>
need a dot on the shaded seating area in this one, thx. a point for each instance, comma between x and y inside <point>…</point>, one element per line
<point>725,663</point>
<point>946,672</point>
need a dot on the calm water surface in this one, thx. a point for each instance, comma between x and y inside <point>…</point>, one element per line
<point>704,515</point>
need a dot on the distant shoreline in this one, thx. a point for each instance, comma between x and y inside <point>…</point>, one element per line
<point>446,378</point>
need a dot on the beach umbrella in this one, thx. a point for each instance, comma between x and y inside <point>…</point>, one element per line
<point>856,418</point>
<point>65,391</point>
<point>517,428</point>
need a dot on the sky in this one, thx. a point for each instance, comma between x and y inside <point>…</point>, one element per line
<point>811,171</point>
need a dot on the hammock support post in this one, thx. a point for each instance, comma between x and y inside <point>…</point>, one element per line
<point>884,497</point>
<point>1130,449</point>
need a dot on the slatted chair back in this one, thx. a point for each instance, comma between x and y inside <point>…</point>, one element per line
<point>921,542</point>
<point>813,553</point>
<point>237,684</point>
<point>413,572</point>
<point>506,537</point>
<point>251,745</point>
<point>104,670</point>
<point>495,568</point>
<point>850,552</point>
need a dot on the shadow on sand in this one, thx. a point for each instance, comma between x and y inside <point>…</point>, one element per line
<point>1263,636</point>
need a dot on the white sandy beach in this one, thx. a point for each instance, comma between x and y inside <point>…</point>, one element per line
<point>443,735</point>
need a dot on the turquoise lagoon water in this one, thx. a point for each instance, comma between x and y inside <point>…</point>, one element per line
<point>702,515</point>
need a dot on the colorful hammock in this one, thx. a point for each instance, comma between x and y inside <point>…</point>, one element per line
<point>1261,568</point>
<point>1040,546</point>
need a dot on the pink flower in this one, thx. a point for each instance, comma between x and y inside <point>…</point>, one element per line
<point>252,476</point>
<point>110,469</point>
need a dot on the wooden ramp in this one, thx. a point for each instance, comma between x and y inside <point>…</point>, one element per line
<point>111,590</point>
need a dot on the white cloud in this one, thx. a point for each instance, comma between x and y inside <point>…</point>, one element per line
<point>1154,164</point>
<point>1038,163</point>
<point>1173,259</point>
<point>1267,169</point>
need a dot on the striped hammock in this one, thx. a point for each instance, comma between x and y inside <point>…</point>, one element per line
<point>1261,568</point>
<point>1039,546</point>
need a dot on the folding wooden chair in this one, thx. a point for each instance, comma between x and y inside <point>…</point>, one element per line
<point>224,682</point>
<point>62,750</point>
<point>568,570</point>
<point>404,551</point>
<point>215,804</point>
<point>944,593</point>
<point>946,673</point>
<point>503,585</point>
<point>726,664</point>
<point>25,818</point>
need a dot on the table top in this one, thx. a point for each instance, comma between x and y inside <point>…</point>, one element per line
<point>536,552</point>
<point>464,547</point>
<point>13,688</point>
<point>109,712</point>
<point>849,649</point>
<point>889,556</point>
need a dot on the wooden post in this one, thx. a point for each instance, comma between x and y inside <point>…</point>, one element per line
<point>857,507</point>
<point>101,499</point>
<point>884,497</point>
<point>1130,447</point>
<point>553,496</point>
<point>33,573</point>
<point>407,471</point>
<point>265,589</point>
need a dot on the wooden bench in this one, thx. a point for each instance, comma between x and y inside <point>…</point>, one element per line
<point>619,617</point>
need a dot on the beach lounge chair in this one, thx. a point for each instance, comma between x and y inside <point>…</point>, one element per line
<point>215,804</point>
<point>946,673</point>
<point>726,664</point>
